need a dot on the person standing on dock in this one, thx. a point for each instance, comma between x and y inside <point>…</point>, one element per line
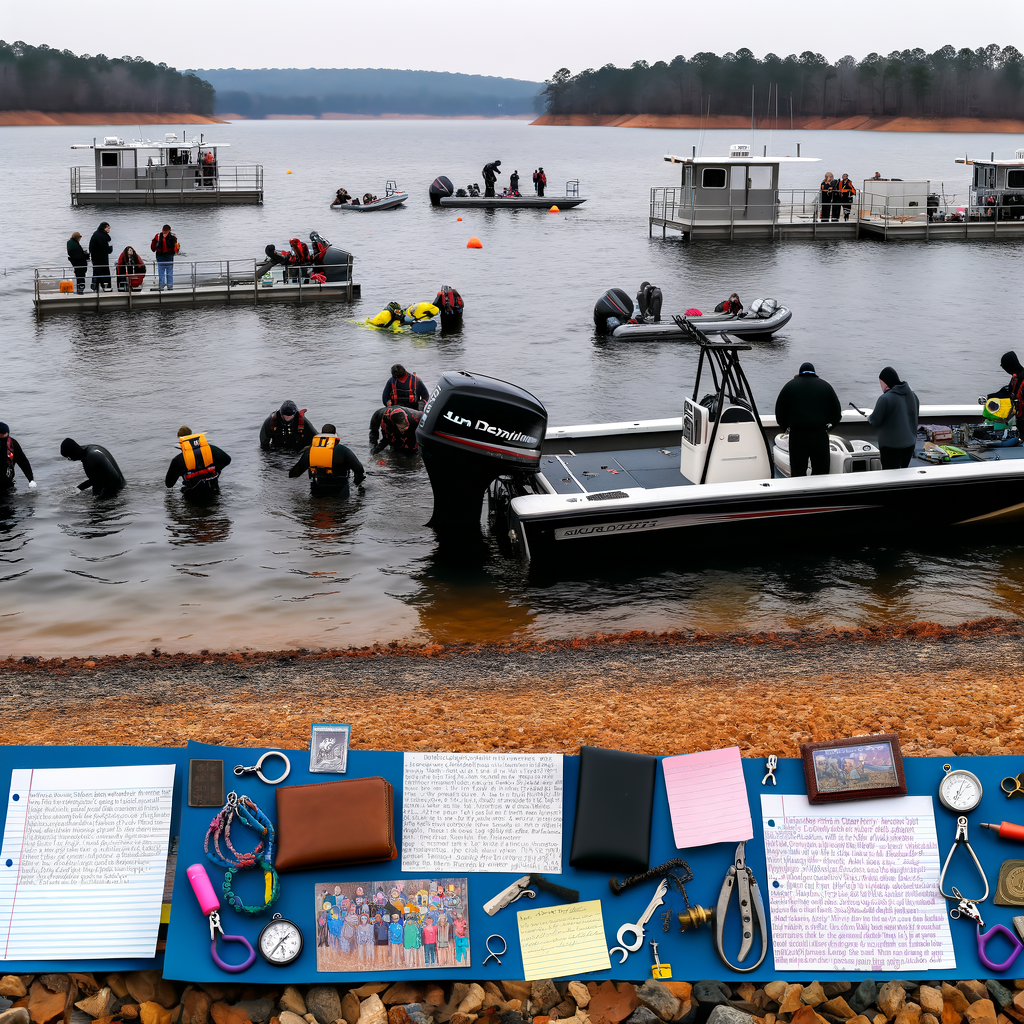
<point>165,245</point>
<point>846,193</point>
<point>12,455</point>
<point>328,463</point>
<point>287,429</point>
<point>513,183</point>
<point>79,260</point>
<point>103,473</point>
<point>540,179</point>
<point>895,417</point>
<point>100,248</point>
<point>807,406</point>
<point>490,173</point>
<point>198,465</point>
<point>828,197</point>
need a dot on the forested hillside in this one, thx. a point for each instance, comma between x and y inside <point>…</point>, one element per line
<point>987,82</point>
<point>41,78</point>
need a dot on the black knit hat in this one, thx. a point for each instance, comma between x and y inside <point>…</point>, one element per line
<point>807,367</point>
<point>889,377</point>
<point>289,408</point>
<point>1010,363</point>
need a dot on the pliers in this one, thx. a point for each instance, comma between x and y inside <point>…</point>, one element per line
<point>741,878</point>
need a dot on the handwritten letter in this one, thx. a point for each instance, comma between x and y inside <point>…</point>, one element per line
<point>83,862</point>
<point>707,798</point>
<point>854,886</point>
<point>482,812</point>
<point>563,941</point>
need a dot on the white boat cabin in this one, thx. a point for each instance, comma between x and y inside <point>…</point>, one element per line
<point>997,187</point>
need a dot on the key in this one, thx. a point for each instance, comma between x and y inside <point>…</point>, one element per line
<point>637,930</point>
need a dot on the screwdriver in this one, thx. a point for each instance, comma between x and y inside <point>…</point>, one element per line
<point>1007,830</point>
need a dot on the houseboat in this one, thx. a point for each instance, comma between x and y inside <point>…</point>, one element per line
<point>175,172</point>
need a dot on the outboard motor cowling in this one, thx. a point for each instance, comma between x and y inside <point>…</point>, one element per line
<point>439,188</point>
<point>335,264</point>
<point>473,429</point>
<point>615,303</point>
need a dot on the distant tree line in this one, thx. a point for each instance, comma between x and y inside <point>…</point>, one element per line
<point>257,105</point>
<point>986,82</point>
<point>42,78</point>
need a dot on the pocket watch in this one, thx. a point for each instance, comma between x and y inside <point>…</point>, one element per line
<point>960,791</point>
<point>280,942</point>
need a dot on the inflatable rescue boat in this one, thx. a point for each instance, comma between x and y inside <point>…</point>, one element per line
<point>393,197</point>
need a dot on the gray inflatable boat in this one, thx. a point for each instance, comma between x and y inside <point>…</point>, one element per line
<point>747,324</point>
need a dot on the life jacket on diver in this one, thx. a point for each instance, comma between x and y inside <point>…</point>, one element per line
<point>392,313</point>
<point>300,251</point>
<point>195,450</point>
<point>449,301</point>
<point>9,458</point>
<point>321,455</point>
<point>404,392</point>
<point>422,311</point>
<point>298,424</point>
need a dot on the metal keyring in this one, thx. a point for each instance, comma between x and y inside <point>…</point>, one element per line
<point>258,768</point>
<point>495,955</point>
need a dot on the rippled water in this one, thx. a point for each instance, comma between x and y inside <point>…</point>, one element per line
<point>268,566</point>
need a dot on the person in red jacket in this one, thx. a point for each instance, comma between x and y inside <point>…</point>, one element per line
<point>540,179</point>
<point>165,245</point>
<point>130,270</point>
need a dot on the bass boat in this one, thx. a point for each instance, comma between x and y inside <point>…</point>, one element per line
<point>717,474</point>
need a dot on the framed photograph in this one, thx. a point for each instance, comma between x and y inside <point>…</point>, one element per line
<point>403,924</point>
<point>328,748</point>
<point>857,768</point>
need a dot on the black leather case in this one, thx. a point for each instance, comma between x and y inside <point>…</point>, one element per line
<point>614,805</point>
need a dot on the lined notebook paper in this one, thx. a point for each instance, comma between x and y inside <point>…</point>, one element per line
<point>83,862</point>
<point>563,941</point>
<point>707,798</point>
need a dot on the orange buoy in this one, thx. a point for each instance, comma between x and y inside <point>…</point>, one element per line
<point>474,243</point>
<point>554,209</point>
<point>287,172</point>
<point>458,218</point>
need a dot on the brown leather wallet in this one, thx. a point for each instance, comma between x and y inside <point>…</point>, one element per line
<point>324,824</point>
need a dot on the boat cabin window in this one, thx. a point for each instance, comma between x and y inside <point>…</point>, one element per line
<point>738,177</point>
<point>1015,179</point>
<point>713,177</point>
<point>760,176</point>
<point>734,414</point>
<point>984,177</point>
<point>108,159</point>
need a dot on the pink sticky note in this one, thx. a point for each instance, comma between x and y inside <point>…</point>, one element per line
<point>707,798</point>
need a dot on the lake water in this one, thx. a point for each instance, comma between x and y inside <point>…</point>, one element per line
<point>267,567</point>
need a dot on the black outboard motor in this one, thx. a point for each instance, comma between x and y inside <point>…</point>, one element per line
<point>474,429</point>
<point>331,261</point>
<point>439,188</point>
<point>615,303</point>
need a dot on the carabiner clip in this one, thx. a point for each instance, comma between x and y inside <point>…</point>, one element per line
<point>969,909</point>
<point>216,928</point>
<point>961,837</point>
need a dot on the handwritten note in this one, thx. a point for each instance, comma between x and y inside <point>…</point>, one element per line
<point>93,843</point>
<point>707,798</point>
<point>563,940</point>
<point>854,886</point>
<point>482,812</point>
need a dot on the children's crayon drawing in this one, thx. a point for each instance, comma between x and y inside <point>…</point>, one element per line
<point>403,924</point>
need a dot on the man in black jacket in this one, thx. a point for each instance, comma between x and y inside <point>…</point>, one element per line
<point>807,406</point>
<point>104,474</point>
<point>100,248</point>
<point>11,456</point>
<point>79,260</point>
<point>404,388</point>
<point>287,429</point>
<point>329,465</point>
<point>490,173</point>
<point>198,464</point>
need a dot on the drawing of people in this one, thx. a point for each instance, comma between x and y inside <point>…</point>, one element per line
<point>365,938</point>
<point>323,936</point>
<point>395,936</point>
<point>444,950</point>
<point>348,931</point>
<point>461,929</point>
<point>381,925</point>
<point>380,899</point>
<point>429,941</point>
<point>411,940</point>
<point>334,928</point>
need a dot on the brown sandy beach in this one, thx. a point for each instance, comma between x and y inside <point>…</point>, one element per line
<point>945,690</point>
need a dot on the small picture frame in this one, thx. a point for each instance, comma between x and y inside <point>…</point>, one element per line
<point>857,768</point>
<point>328,748</point>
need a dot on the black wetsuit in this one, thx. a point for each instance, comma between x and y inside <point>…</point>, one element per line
<point>12,455</point>
<point>513,182</point>
<point>281,435</point>
<point>100,248</point>
<point>490,173</point>
<point>203,486</point>
<point>806,406</point>
<point>408,392</point>
<point>343,460</point>
<point>105,477</point>
<point>404,443</point>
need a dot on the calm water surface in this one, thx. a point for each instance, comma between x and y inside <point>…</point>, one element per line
<point>269,567</point>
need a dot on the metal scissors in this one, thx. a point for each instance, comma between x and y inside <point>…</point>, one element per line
<point>1013,785</point>
<point>741,878</point>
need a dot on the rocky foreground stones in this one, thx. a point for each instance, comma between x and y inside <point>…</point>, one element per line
<point>145,997</point>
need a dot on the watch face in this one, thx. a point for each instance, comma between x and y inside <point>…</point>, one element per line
<point>280,942</point>
<point>960,791</point>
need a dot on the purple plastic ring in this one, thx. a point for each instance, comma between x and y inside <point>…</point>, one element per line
<point>998,929</point>
<point>251,958</point>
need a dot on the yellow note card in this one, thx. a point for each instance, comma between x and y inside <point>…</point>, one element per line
<point>563,940</point>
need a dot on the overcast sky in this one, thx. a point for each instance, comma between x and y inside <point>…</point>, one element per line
<point>513,40</point>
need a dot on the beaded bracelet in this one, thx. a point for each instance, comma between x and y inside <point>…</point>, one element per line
<point>261,855</point>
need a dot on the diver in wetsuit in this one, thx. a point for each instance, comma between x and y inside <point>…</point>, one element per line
<point>103,473</point>
<point>328,462</point>
<point>648,299</point>
<point>198,465</point>
<point>287,429</point>
<point>490,173</point>
<point>11,455</point>
<point>404,388</point>
<point>394,427</point>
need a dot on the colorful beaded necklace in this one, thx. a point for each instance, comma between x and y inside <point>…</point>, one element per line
<point>262,855</point>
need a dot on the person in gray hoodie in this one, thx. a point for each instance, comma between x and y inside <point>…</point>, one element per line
<point>895,417</point>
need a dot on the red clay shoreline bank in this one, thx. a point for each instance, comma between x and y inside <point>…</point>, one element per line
<point>859,122</point>
<point>31,118</point>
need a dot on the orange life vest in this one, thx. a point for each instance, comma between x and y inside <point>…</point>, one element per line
<point>195,450</point>
<point>321,454</point>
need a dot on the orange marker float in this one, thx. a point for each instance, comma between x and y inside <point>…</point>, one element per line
<point>474,243</point>
<point>554,209</point>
